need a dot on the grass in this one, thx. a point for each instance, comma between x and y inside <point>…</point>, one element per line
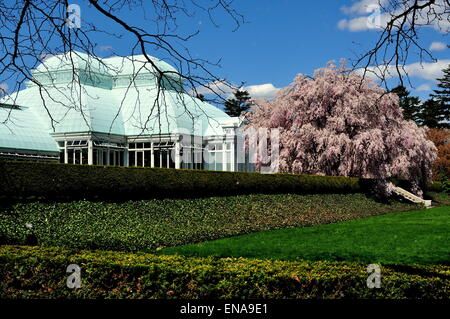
<point>415,237</point>
<point>150,224</point>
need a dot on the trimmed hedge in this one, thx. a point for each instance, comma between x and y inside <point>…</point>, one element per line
<point>54,181</point>
<point>33,272</point>
<point>149,224</point>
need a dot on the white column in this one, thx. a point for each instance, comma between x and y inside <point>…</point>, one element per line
<point>107,157</point>
<point>66,155</point>
<point>90,152</point>
<point>232,156</point>
<point>125,158</point>
<point>152,155</point>
<point>224,156</point>
<point>168,158</point>
<point>177,155</point>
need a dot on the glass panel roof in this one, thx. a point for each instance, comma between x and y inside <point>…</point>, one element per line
<point>126,111</point>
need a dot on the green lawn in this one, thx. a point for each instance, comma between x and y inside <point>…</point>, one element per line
<point>415,237</point>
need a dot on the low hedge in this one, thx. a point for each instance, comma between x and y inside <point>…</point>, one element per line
<point>19,180</point>
<point>33,272</point>
<point>149,224</point>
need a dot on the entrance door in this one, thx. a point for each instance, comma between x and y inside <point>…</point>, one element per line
<point>104,157</point>
<point>100,157</point>
<point>77,156</point>
<point>118,157</point>
<point>140,158</point>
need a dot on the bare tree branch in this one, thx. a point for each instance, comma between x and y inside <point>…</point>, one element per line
<point>32,31</point>
<point>399,37</point>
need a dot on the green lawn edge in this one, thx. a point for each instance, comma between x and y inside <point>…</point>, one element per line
<point>419,236</point>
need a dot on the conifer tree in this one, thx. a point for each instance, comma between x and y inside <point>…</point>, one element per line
<point>409,104</point>
<point>442,94</point>
<point>435,112</point>
<point>240,103</point>
<point>431,114</point>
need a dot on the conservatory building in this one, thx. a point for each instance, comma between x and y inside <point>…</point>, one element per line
<point>81,109</point>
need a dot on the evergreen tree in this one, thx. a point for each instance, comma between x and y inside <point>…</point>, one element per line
<point>442,99</point>
<point>240,103</point>
<point>201,97</point>
<point>442,94</point>
<point>409,104</point>
<point>430,115</point>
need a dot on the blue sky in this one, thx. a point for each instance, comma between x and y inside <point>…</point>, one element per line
<point>287,37</point>
<point>281,39</point>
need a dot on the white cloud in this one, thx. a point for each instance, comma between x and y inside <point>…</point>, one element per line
<point>219,87</point>
<point>358,24</point>
<point>362,7</point>
<point>3,88</point>
<point>426,70</point>
<point>438,46</point>
<point>424,87</point>
<point>226,90</point>
<point>263,91</point>
<point>368,15</point>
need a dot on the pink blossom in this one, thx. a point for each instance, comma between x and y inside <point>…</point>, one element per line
<point>337,123</point>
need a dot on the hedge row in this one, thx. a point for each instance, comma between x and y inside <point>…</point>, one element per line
<point>149,224</point>
<point>63,181</point>
<point>41,273</point>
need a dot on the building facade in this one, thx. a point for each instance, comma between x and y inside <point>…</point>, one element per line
<point>116,111</point>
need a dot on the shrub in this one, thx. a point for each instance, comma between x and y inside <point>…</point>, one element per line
<point>440,187</point>
<point>141,225</point>
<point>65,181</point>
<point>439,199</point>
<point>435,187</point>
<point>35,272</point>
<point>446,186</point>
